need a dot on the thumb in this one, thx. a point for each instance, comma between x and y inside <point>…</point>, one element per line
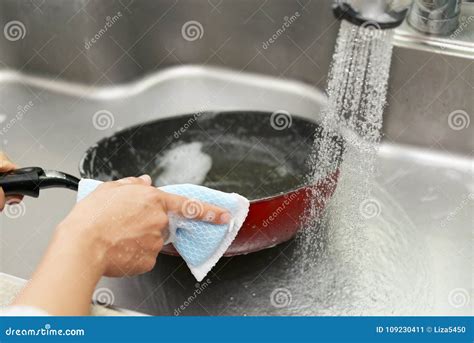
<point>5,163</point>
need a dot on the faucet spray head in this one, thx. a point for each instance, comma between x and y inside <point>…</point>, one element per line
<point>381,14</point>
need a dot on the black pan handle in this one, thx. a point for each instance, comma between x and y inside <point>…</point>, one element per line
<point>29,181</point>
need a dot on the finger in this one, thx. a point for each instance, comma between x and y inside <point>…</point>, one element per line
<point>195,209</point>
<point>5,163</point>
<point>14,199</point>
<point>142,180</point>
<point>2,199</point>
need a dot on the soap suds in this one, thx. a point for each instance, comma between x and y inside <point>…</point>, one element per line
<point>185,163</point>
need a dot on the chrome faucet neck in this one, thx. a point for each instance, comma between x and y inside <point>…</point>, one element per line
<point>437,17</point>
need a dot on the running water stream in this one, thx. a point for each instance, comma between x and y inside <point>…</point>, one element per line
<point>358,256</point>
<point>356,91</point>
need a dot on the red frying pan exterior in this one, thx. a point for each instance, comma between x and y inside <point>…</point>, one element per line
<point>276,219</point>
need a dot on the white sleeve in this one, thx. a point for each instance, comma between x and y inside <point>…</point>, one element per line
<point>22,311</point>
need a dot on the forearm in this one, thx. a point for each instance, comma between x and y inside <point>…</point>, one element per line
<point>64,282</point>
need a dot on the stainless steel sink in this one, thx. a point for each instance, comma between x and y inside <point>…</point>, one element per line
<point>143,68</point>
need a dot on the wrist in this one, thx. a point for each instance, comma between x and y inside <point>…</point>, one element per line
<point>81,244</point>
<point>65,280</point>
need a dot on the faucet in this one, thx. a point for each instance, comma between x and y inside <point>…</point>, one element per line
<point>435,17</point>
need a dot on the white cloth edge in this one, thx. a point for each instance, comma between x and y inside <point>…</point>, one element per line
<point>201,271</point>
<point>22,311</point>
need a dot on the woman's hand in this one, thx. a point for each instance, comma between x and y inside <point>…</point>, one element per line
<point>116,230</point>
<point>5,166</point>
<point>126,223</point>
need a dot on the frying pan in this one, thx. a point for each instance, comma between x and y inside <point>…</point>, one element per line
<point>262,156</point>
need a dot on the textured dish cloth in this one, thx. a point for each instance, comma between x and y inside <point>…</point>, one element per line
<point>201,244</point>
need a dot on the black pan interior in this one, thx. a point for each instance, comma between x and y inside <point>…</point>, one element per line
<point>250,153</point>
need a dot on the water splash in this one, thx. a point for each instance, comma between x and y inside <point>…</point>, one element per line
<point>358,252</point>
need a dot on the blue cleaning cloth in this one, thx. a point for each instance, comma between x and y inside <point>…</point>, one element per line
<point>201,244</point>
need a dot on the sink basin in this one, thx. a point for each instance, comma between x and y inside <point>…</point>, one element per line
<point>427,194</point>
<point>413,258</point>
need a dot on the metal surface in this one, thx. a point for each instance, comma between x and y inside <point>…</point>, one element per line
<point>437,17</point>
<point>148,37</point>
<point>430,187</point>
<point>425,163</point>
<point>459,43</point>
<point>433,17</point>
